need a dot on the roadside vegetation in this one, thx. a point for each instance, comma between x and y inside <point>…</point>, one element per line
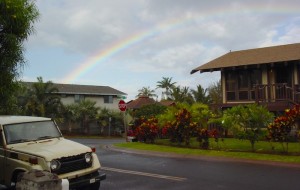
<point>242,130</point>
<point>163,149</point>
<point>16,25</point>
<point>194,122</point>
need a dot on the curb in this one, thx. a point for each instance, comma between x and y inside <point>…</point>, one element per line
<point>202,157</point>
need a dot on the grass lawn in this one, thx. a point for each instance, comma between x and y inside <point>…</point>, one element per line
<point>230,147</point>
<point>232,144</point>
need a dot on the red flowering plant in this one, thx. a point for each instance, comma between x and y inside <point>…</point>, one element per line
<point>180,123</point>
<point>280,129</point>
<point>293,114</point>
<point>215,134</point>
<point>184,127</point>
<point>166,130</point>
<point>181,128</point>
<point>130,133</point>
<point>147,131</point>
<point>203,138</point>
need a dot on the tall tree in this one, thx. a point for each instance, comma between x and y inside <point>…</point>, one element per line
<point>87,111</point>
<point>42,99</point>
<point>70,115</point>
<point>110,118</point>
<point>181,94</point>
<point>146,91</point>
<point>200,95</point>
<point>167,84</point>
<point>215,92</point>
<point>16,24</point>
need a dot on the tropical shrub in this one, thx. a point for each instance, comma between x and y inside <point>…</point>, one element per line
<point>181,122</point>
<point>203,138</point>
<point>147,131</point>
<point>181,129</point>
<point>280,129</point>
<point>184,127</point>
<point>148,111</point>
<point>247,122</point>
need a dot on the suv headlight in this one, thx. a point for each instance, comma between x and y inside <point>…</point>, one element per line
<point>55,165</point>
<point>88,158</point>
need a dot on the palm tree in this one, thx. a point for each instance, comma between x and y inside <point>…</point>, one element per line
<point>179,94</point>
<point>200,95</point>
<point>146,91</point>
<point>215,92</point>
<point>42,99</point>
<point>86,111</point>
<point>166,84</point>
<point>70,115</point>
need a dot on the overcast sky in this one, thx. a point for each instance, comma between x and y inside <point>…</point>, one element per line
<point>130,44</point>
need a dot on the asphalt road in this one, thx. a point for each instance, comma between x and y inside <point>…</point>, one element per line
<point>135,171</point>
<point>127,170</point>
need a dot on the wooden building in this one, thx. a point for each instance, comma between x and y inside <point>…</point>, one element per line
<point>268,76</point>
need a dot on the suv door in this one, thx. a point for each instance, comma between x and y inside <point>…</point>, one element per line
<point>2,153</point>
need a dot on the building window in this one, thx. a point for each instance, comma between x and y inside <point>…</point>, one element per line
<point>230,86</point>
<point>240,84</point>
<point>108,99</point>
<point>78,98</point>
<point>230,81</point>
<point>243,80</point>
<point>255,77</point>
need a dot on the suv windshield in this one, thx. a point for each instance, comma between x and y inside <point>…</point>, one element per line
<point>23,132</point>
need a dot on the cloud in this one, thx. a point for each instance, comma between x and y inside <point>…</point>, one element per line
<point>183,36</point>
<point>91,26</point>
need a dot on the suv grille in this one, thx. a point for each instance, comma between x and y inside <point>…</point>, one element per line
<point>72,163</point>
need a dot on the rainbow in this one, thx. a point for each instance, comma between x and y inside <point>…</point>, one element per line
<point>103,55</point>
<point>161,28</point>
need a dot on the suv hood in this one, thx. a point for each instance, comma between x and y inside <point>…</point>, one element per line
<point>51,148</point>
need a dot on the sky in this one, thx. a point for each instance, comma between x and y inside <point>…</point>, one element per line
<point>131,44</point>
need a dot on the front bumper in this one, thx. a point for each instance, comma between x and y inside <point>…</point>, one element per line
<point>86,180</point>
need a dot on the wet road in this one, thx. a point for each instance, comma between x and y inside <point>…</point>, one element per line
<point>133,171</point>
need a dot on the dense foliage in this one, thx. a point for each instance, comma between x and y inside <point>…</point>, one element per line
<point>147,131</point>
<point>16,24</point>
<point>42,100</point>
<point>280,129</point>
<point>247,122</point>
<point>179,123</point>
<point>148,111</point>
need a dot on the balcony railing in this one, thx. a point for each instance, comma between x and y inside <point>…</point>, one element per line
<point>277,92</point>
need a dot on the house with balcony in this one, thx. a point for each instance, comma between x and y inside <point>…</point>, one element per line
<point>268,76</point>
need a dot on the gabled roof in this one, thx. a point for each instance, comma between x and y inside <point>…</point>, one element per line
<point>274,54</point>
<point>84,89</point>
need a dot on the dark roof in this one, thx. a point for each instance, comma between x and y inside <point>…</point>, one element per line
<point>85,89</point>
<point>140,101</point>
<point>274,54</point>
<point>167,102</point>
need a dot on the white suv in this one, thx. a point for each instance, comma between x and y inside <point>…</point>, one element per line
<point>28,143</point>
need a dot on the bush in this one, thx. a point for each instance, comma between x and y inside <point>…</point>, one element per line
<point>147,131</point>
<point>246,122</point>
<point>280,129</point>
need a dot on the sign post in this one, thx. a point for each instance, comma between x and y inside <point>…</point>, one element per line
<point>122,106</point>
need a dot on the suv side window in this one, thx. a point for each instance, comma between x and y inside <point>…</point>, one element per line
<point>1,138</point>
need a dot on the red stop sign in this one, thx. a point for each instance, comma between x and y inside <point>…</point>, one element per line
<point>122,105</point>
